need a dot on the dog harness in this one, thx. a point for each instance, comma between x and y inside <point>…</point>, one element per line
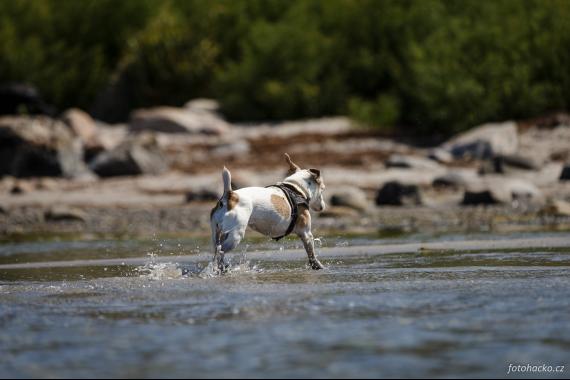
<point>295,199</point>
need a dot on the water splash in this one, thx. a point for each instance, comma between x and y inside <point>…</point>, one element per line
<point>160,271</point>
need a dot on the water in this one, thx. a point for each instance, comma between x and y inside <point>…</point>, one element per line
<point>408,309</point>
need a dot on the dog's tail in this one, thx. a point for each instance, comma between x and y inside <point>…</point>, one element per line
<point>227,177</point>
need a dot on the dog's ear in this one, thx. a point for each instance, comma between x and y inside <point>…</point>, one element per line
<point>316,173</point>
<point>293,167</point>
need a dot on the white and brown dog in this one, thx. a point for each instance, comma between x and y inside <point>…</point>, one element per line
<point>274,211</point>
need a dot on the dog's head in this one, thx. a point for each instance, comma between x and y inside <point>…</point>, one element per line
<point>309,181</point>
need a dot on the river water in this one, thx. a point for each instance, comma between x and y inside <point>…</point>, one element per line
<point>448,306</point>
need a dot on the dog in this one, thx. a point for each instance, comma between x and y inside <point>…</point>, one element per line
<point>274,211</point>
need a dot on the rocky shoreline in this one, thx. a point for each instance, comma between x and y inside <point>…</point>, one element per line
<point>160,173</point>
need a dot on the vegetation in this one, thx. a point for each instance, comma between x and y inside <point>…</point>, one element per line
<point>432,66</point>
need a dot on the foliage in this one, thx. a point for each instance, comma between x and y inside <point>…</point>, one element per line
<point>431,66</point>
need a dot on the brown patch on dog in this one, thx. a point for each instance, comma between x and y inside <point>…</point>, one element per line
<point>304,219</point>
<point>281,205</point>
<point>233,199</point>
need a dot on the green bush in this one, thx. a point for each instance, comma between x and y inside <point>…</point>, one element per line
<point>427,66</point>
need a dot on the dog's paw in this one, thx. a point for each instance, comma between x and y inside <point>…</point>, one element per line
<point>316,265</point>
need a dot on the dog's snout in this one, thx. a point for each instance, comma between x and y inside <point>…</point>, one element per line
<point>321,207</point>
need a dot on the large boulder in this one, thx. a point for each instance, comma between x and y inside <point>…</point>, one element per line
<point>497,190</point>
<point>546,144</point>
<point>485,141</point>
<point>39,146</point>
<point>349,196</point>
<point>192,119</point>
<point>398,194</point>
<point>136,155</point>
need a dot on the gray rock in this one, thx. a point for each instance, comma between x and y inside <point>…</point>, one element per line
<point>497,190</point>
<point>485,141</point>
<point>398,194</point>
<point>351,197</point>
<point>137,155</point>
<point>83,126</point>
<point>456,178</point>
<point>178,120</point>
<point>38,147</point>
<point>440,155</point>
<point>411,162</point>
<point>504,163</point>
<point>233,149</point>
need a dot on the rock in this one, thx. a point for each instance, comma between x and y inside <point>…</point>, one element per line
<point>551,120</point>
<point>233,149</point>
<point>440,155</point>
<point>20,98</point>
<point>137,155</point>
<point>111,137</point>
<point>83,126</point>
<point>207,105</point>
<point>202,195</point>
<point>485,141</point>
<point>565,174</point>
<point>398,194</point>
<point>502,163</point>
<point>411,162</point>
<point>22,187</point>
<point>375,176</point>
<point>546,144</point>
<point>47,183</point>
<point>456,178</point>
<point>497,190</point>
<point>38,147</point>
<point>351,197</point>
<point>178,120</point>
<point>485,197</point>
<point>323,127</point>
<point>62,213</point>
<point>557,207</point>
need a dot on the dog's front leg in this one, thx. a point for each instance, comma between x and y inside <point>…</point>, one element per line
<point>303,230</point>
<point>309,243</point>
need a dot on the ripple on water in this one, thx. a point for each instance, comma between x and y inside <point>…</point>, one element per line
<point>416,314</point>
